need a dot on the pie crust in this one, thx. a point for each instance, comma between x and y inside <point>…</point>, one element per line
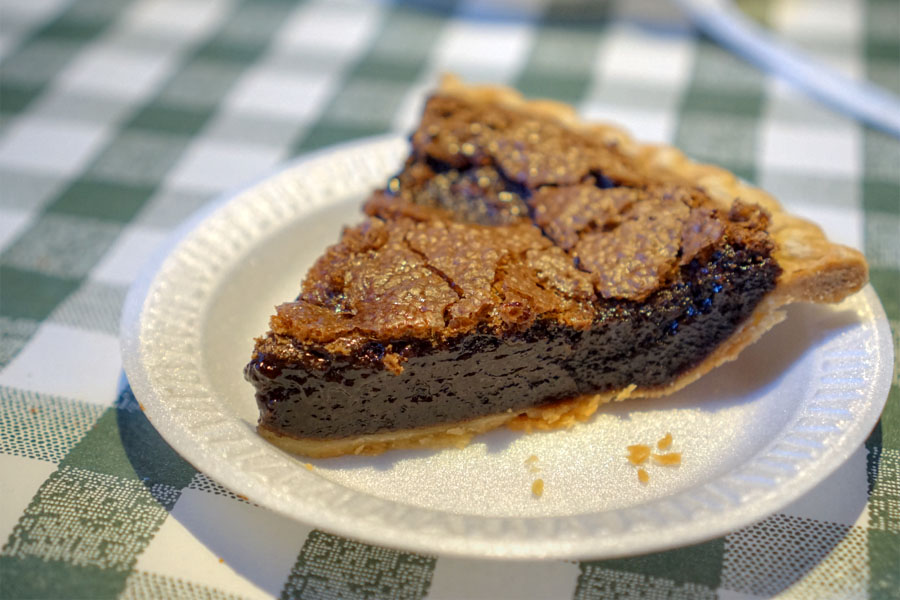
<point>813,269</point>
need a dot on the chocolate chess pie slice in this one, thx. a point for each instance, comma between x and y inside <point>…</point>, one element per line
<point>521,269</point>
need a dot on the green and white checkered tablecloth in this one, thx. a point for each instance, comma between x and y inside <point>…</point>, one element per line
<point>118,119</point>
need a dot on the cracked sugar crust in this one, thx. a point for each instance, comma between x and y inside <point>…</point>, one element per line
<point>507,212</point>
<point>433,278</point>
<point>529,151</point>
<point>640,246</point>
<point>487,229</point>
<point>410,271</point>
<point>814,268</point>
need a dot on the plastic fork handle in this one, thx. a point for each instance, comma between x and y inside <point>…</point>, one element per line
<point>720,20</point>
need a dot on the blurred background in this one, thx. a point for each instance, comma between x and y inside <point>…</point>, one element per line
<point>120,118</point>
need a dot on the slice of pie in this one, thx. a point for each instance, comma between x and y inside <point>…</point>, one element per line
<point>521,269</point>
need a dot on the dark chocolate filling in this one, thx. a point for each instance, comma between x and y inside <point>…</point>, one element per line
<point>315,395</point>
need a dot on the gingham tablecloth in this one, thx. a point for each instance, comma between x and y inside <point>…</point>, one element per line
<point>119,119</point>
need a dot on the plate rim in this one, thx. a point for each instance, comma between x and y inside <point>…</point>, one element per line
<point>463,543</point>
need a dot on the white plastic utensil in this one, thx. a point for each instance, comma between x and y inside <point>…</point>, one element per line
<point>723,22</point>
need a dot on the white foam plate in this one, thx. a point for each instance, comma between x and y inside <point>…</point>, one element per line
<point>755,434</point>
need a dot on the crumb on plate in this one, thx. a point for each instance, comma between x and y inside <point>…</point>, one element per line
<point>665,443</point>
<point>638,453</point>
<point>669,459</point>
<point>537,488</point>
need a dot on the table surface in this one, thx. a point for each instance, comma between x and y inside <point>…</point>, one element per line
<point>119,119</point>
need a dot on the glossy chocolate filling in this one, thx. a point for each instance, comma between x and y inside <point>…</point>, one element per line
<point>310,394</point>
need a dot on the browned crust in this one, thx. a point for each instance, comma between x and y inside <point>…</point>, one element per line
<point>814,270</point>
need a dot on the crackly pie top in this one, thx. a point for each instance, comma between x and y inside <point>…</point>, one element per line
<point>502,217</point>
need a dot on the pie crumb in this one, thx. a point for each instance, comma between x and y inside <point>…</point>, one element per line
<point>638,453</point>
<point>537,488</point>
<point>393,362</point>
<point>308,466</point>
<point>669,459</point>
<point>625,393</point>
<point>531,463</point>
